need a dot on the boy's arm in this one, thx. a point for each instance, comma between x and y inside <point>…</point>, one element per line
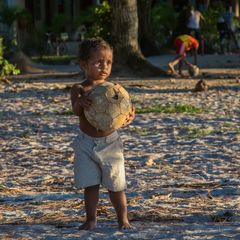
<point>76,92</point>
<point>78,100</point>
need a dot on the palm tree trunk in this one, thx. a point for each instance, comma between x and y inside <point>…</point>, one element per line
<point>127,52</point>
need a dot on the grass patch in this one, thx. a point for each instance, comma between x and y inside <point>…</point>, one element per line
<point>198,131</point>
<point>227,127</point>
<point>66,59</point>
<point>176,108</point>
<point>2,187</point>
<point>140,131</point>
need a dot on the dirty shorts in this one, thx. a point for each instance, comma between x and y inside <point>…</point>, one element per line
<point>180,47</point>
<point>99,161</point>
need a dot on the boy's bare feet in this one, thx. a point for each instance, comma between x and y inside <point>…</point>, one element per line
<point>126,226</point>
<point>88,225</point>
<point>171,68</point>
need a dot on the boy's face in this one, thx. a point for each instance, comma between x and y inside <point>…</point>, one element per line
<point>99,65</point>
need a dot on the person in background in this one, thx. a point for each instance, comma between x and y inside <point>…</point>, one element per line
<point>229,18</point>
<point>183,44</point>
<point>193,25</point>
<point>222,31</point>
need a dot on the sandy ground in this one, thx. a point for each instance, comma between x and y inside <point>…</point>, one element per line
<point>182,166</point>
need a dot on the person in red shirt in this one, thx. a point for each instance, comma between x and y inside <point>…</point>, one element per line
<point>183,44</point>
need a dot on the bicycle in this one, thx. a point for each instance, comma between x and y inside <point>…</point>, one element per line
<point>59,46</point>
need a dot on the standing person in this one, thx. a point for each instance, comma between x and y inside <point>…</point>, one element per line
<point>229,17</point>
<point>222,31</point>
<point>183,44</point>
<point>98,154</point>
<point>193,25</point>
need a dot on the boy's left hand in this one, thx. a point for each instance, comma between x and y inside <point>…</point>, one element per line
<point>129,118</point>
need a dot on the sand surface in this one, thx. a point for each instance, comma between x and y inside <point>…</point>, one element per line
<point>182,166</point>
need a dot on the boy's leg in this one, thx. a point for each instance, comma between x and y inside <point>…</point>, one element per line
<point>228,41</point>
<point>91,197</point>
<point>222,41</point>
<point>180,67</point>
<point>177,60</point>
<point>119,202</point>
<point>235,39</point>
<point>172,64</point>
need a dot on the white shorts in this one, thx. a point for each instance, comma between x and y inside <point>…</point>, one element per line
<point>99,161</point>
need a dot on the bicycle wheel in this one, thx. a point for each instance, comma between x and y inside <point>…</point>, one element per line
<point>48,49</point>
<point>63,50</point>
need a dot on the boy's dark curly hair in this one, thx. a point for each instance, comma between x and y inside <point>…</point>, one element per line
<point>90,44</point>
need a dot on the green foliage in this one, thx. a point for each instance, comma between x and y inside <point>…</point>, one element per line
<point>8,15</point>
<point>58,23</point>
<point>2,187</point>
<point>97,19</point>
<point>209,27</point>
<point>140,131</point>
<point>6,68</point>
<point>164,21</point>
<point>177,108</point>
<point>23,13</point>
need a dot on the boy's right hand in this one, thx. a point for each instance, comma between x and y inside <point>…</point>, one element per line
<point>84,101</point>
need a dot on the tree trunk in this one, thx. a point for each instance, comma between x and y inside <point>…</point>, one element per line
<point>236,8</point>
<point>146,39</point>
<point>127,53</point>
<point>24,64</point>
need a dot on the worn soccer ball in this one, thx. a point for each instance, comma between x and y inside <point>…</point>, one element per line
<point>111,104</point>
<point>193,70</point>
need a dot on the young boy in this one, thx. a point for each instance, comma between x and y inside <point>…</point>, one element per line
<point>98,154</point>
<point>183,44</point>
